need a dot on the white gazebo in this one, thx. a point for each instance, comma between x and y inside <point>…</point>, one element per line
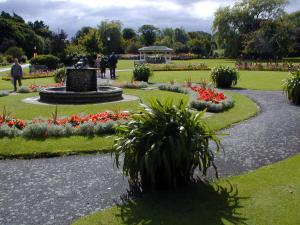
<point>155,54</point>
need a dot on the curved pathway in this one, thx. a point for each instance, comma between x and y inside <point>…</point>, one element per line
<point>60,190</point>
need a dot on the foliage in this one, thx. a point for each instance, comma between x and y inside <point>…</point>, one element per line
<point>172,87</point>
<point>224,77</point>
<point>134,85</point>
<point>148,34</point>
<point>50,61</point>
<point>15,52</point>
<point>141,73</point>
<point>111,36</point>
<point>60,75</point>
<point>24,89</point>
<point>163,147</point>
<point>291,87</point>
<point>4,93</point>
<point>31,75</point>
<point>178,67</point>
<point>255,28</point>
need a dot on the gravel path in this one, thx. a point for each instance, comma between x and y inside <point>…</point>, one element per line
<point>60,190</point>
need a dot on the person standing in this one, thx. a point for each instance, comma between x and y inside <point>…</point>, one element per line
<point>16,73</point>
<point>103,64</point>
<point>112,62</point>
<point>97,64</point>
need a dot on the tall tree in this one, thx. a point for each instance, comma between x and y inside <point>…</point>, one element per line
<point>233,26</point>
<point>148,34</point>
<point>111,36</point>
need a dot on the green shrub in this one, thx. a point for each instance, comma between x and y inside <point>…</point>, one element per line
<point>60,75</point>
<point>224,76</point>
<point>37,130</point>
<point>210,106</point>
<point>134,85</point>
<point>24,89</point>
<point>55,131</point>
<point>4,93</point>
<point>291,87</point>
<point>15,52</point>
<point>173,88</point>
<point>104,128</point>
<point>86,129</point>
<point>6,131</point>
<point>50,61</point>
<point>141,73</point>
<point>163,147</point>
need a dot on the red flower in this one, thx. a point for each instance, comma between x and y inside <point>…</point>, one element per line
<point>11,123</point>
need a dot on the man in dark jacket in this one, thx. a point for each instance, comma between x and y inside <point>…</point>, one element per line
<point>16,73</point>
<point>112,62</point>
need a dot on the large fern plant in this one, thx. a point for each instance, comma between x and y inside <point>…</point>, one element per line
<point>163,146</point>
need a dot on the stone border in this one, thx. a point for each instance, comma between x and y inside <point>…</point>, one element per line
<point>35,100</point>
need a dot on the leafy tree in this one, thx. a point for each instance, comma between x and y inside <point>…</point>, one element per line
<point>83,31</point>
<point>111,36</point>
<point>15,52</point>
<point>181,35</point>
<point>233,26</point>
<point>128,33</point>
<point>148,34</point>
<point>91,42</point>
<point>58,44</point>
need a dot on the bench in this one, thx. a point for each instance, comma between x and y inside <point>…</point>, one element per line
<point>38,68</point>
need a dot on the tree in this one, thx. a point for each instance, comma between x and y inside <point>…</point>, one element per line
<point>111,36</point>
<point>128,33</point>
<point>234,26</point>
<point>148,34</point>
<point>83,31</point>
<point>181,35</point>
<point>58,44</point>
<point>91,42</point>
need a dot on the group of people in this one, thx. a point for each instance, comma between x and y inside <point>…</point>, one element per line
<point>102,63</point>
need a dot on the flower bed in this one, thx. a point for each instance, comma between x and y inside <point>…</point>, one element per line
<point>36,88</point>
<point>31,75</point>
<point>203,97</point>
<point>178,67</point>
<point>269,66</point>
<point>210,99</point>
<point>85,125</point>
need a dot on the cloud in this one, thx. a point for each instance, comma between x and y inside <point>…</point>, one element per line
<point>71,15</point>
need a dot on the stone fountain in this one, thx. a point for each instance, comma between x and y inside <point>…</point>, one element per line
<point>81,88</point>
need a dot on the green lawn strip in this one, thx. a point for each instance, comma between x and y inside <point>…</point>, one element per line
<point>244,108</point>
<point>7,85</point>
<point>269,195</point>
<point>22,148</point>
<point>255,80</point>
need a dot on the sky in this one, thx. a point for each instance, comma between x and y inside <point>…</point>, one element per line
<point>71,15</point>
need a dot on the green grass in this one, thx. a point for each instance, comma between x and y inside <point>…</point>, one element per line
<point>269,195</point>
<point>19,147</point>
<point>255,80</point>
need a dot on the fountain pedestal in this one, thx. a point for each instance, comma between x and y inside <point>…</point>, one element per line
<point>81,88</point>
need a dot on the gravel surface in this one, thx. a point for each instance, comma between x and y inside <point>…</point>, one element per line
<point>60,190</point>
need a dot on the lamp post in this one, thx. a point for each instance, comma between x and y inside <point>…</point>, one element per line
<point>34,52</point>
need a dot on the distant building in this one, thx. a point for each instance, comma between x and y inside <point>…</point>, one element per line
<point>155,54</point>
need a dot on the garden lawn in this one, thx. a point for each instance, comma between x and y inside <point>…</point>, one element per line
<point>19,147</point>
<point>7,85</point>
<point>269,195</point>
<point>255,80</point>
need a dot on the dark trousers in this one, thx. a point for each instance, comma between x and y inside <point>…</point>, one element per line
<point>102,72</point>
<point>15,79</point>
<point>112,72</point>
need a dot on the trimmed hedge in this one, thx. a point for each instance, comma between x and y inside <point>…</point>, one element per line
<point>51,61</point>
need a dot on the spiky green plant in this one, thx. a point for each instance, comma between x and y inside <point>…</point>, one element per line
<point>224,76</point>
<point>163,147</point>
<point>291,87</point>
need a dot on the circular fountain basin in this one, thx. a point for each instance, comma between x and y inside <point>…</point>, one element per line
<point>59,95</point>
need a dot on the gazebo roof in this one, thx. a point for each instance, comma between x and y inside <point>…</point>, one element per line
<point>156,49</point>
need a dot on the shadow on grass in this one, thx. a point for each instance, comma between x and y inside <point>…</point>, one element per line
<point>198,204</point>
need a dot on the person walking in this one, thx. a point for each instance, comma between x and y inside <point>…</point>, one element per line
<point>112,62</point>
<point>16,73</point>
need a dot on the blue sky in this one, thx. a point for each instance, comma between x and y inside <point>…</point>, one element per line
<point>71,15</point>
